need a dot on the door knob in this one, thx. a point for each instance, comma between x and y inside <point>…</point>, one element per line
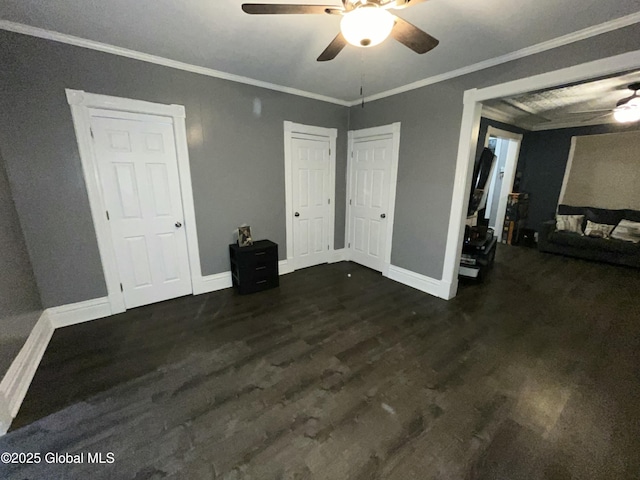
<point>297,214</point>
<point>383,215</point>
<point>178,224</point>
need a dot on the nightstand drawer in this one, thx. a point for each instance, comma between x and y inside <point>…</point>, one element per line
<point>260,283</point>
<point>249,282</point>
<point>258,260</point>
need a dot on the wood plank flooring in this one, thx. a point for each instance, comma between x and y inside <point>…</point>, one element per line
<point>343,374</point>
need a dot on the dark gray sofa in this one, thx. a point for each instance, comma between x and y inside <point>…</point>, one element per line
<point>600,249</point>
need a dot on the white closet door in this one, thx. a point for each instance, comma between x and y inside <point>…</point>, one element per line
<point>311,206</point>
<point>138,172</point>
<point>369,203</point>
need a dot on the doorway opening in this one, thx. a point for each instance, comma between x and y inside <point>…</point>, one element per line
<point>506,147</point>
<point>473,103</point>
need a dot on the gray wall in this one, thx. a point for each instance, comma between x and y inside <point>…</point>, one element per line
<point>230,148</point>
<point>543,160</point>
<point>19,299</point>
<point>431,118</point>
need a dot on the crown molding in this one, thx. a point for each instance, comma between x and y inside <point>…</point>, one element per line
<point>145,57</point>
<point>166,62</point>
<point>525,52</point>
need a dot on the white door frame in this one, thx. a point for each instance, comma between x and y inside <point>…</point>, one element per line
<point>81,102</point>
<point>513,153</point>
<point>309,132</point>
<point>468,140</point>
<point>392,129</point>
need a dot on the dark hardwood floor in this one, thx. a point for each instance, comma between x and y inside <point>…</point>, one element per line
<point>532,375</point>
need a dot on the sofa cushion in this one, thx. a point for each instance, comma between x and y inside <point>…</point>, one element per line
<point>570,223</point>
<point>627,231</point>
<point>609,245</point>
<point>598,230</point>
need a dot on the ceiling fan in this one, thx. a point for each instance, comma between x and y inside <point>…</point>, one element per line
<point>365,23</point>
<point>627,109</point>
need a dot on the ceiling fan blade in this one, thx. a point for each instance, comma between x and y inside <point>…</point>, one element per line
<point>587,112</point>
<point>412,37</point>
<point>400,4</point>
<point>334,48</point>
<point>283,9</point>
<point>610,112</point>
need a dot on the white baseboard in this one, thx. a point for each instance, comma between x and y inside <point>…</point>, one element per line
<point>212,283</point>
<point>284,267</point>
<point>453,289</point>
<point>5,417</point>
<point>79,312</point>
<point>15,383</point>
<point>420,282</point>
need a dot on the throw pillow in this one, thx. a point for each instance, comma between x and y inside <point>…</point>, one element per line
<point>569,223</point>
<point>627,230</point>
<point>598,230</point>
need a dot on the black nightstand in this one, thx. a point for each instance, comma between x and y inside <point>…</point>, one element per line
<point>254,268</point>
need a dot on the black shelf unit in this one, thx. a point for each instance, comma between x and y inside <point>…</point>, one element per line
<point>254,268</point>
<point>478,256</point>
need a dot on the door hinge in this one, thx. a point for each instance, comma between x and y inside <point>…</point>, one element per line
<point>329,201</point>
<point>349,201</point>
<point>329,152</point>
<point>91,130</point>
<point>348,245</point>
<point>121,289</point>
<point>108,215</point>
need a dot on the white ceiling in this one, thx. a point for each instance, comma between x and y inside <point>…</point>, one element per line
<point>588,103</point>
<point>283,49</point>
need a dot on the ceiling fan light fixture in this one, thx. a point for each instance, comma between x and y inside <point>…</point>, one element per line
<point>367,26</point>
<point>628,112</point>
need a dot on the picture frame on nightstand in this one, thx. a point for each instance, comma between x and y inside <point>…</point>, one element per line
<point>244,236</point>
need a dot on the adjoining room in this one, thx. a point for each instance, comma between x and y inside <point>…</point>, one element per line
<point>567,150</point>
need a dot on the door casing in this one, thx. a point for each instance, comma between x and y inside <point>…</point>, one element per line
<point>81,104</point>
<point>392,130</point>
<point>297,130</point>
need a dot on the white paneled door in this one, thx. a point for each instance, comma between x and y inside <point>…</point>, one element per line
<point>311,200</point>
<point>370,178</point>
<point>138,170</point>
